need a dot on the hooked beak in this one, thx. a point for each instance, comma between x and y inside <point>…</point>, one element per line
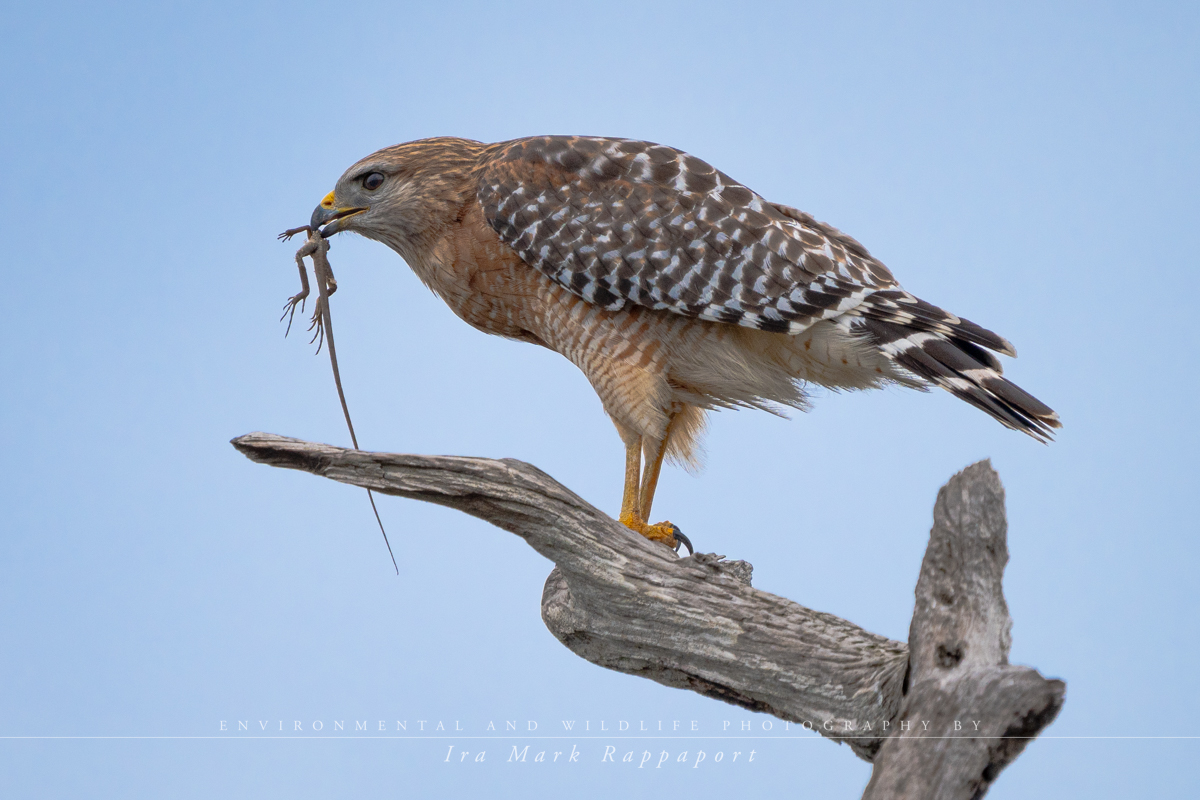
<point>332,217</point>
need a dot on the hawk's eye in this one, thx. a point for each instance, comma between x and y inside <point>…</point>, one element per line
<point>373,181</point>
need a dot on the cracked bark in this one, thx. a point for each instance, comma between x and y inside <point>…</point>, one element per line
<point>625,603</point>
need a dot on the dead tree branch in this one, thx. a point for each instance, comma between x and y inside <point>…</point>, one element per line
<point>623,602</point>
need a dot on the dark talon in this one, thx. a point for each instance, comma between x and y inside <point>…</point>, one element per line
<point>680,539</point>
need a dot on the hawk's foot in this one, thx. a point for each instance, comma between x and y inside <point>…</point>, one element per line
<point>665,532</point>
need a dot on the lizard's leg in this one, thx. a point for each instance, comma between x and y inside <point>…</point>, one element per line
<point>318,246</point>
<point>290,232</point>
<point>321,268</point>
<point>289,308</point>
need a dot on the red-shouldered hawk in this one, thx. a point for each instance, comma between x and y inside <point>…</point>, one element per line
<point>673,287</point>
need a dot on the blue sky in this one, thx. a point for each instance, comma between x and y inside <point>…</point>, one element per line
<point>1032,167</point>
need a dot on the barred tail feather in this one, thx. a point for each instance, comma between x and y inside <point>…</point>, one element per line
<point>902,308</point>
<point>961,366</point>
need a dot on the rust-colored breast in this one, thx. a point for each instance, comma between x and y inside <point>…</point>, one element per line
<point>483,280</point>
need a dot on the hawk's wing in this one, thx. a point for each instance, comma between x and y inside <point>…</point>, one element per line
<point>620,222</point>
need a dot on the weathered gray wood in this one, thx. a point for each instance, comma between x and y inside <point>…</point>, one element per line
<point>623,602</point>
<point>968,713</point>
<point>629,604</point>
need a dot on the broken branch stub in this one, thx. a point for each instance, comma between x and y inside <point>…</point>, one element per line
<point>967,713</point>
<point>625,603</point>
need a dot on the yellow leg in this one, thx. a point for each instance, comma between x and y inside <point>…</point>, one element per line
<point>631,514</point>
<point>630,508</point>
<point>654,461</point>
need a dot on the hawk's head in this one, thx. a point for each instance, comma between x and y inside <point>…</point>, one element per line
<point>401,195</point>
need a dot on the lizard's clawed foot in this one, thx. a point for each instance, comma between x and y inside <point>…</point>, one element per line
<point>289,308</point>
<point>666,532</point>
<point>289,233</point>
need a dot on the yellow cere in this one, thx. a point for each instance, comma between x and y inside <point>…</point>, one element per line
<point>328,201</point>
